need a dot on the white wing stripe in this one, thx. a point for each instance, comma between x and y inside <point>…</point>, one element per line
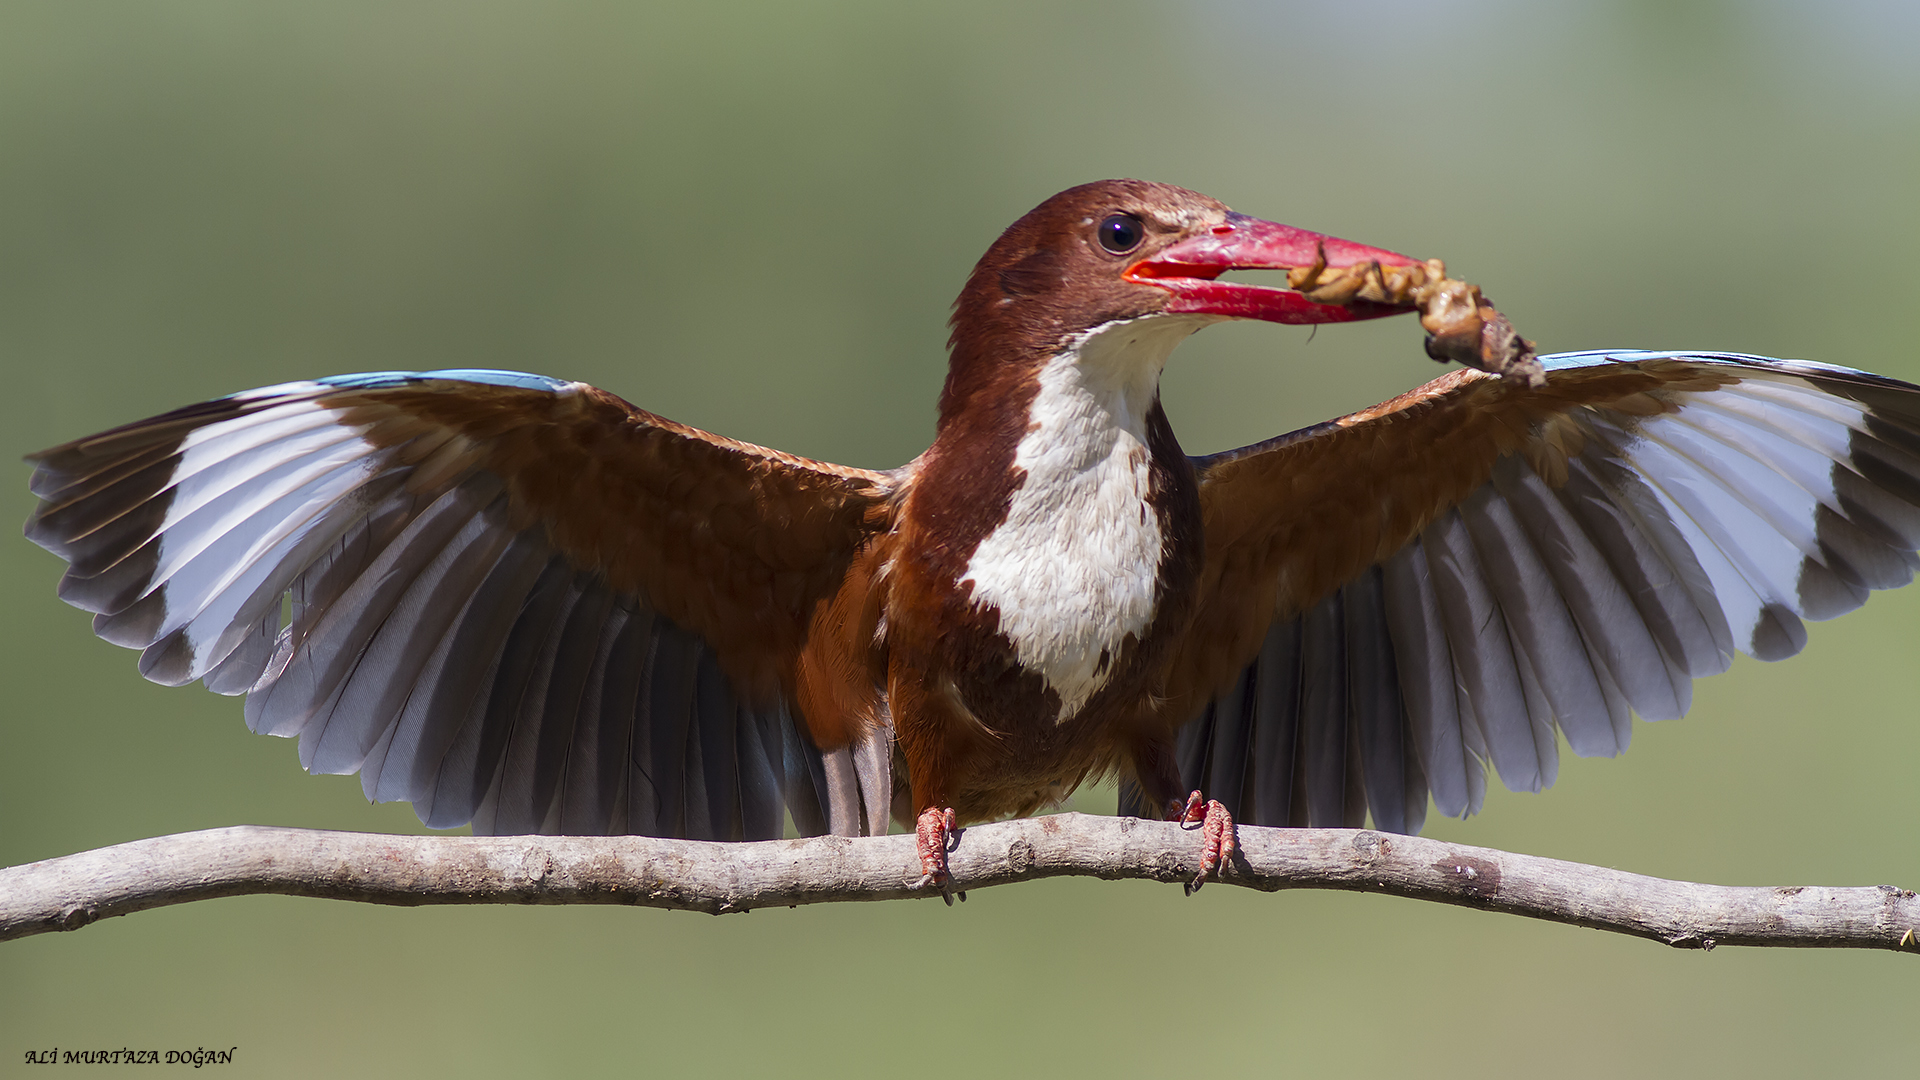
<point>180,588</point>
<point>218,616</point>
<point>1755,505</point>
<point>1795,394</point>
<point>245,550</point>
<point>1810,467</point>
<point>1851,539</point>
<point>205,528</point>
<point>1831,438</point>
<point>240,448</point>
<point>1750,566</point>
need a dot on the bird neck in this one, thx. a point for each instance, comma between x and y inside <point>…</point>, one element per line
<point>1096,388</point>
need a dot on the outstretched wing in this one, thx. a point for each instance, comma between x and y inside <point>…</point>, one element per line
<point>1451,577</point>
<point>508,599</point>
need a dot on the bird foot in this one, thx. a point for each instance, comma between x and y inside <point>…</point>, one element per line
<point>933,834</point>
<point>1216,836</point>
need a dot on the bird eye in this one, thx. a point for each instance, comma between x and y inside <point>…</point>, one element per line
<point>1121,233</point>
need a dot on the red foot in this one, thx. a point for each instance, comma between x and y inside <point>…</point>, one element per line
<point>933,831</point>
<point>1216,836</point>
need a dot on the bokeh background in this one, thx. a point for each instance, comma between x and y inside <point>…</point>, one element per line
<point>752,217</point>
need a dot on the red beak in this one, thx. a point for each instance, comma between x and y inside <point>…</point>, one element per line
<point>1188,269</point>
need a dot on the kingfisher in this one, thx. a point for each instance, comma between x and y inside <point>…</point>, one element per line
<point>524,604</point>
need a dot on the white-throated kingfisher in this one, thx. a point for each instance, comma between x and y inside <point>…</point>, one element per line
<point>523,603</point>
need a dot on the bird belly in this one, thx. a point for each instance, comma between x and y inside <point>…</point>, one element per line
<point>1027,759</point>
<point>986,740</point>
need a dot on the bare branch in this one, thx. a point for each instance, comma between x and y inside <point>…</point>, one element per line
<point>70,892</point>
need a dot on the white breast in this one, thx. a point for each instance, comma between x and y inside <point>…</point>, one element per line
<point>1074,568</point>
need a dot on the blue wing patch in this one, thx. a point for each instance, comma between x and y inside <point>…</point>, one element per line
<point>374,380</point>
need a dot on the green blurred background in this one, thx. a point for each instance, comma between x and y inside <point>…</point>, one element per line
<point>752,217</point>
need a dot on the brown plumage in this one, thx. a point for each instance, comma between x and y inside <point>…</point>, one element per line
<point>529,604</point>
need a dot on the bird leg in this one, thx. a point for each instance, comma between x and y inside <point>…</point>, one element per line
<point>1216,835</point>
<point>933,833</point>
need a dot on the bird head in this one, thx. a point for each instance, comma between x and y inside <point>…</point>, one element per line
<point>1134,254</point>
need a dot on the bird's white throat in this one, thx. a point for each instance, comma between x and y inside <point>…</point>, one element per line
<point>1074,569</point>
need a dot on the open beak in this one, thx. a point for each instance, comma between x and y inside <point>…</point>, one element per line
<point>1189,268</point>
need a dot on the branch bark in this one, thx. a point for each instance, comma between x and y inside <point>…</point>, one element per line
<point>69,892</point>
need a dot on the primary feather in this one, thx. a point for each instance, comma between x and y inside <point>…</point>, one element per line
<point>381,564</point>
<point>1548,562</point>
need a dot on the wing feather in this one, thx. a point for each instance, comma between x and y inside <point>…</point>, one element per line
<point>382,679</point>
<point>1232,718</point>
<point>670,702</point>
<point>1428,689</point>
<point>1275,698</point>
<point>720,719</point>
<point>1485,668</point>
<point>1322,762</point>
<point>1394,781</point>
<point>595,764</point>
<point>1476,569</point>
<point>451,692</point>
<point>552,709</point>
<point>510,600</point>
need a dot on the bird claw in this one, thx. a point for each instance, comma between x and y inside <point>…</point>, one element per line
<point>1216,836</point>
<point>934,835</point>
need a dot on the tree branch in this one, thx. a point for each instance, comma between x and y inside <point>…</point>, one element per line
<point>70,892</point>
